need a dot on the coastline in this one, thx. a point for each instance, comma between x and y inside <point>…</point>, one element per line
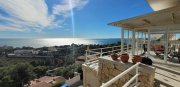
<point>49,42</point>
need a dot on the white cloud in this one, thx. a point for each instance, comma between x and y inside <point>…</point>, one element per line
<point>11,28</point>
<point>33,11</point>
<point>24,15</point>
<point>65,7</point>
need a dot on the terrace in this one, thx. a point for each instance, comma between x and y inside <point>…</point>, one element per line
<point>100,70</point>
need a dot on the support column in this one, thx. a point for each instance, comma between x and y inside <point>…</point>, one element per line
<point>122,41</point>
<point>137,45</point>
<point>142,42</point>
<point>128,42</point>
<point>133,42</point>
<point>166,46</point>
<point>145,37</point>
<point>148,48</point>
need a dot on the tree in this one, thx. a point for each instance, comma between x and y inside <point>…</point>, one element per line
<point>69,59</point>
<point>16,75</point>
<point>68,71</point>
<point>40,71</point>
<point>22,73</point>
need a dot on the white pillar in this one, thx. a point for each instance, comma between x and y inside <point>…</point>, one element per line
<point>133,42</point>
<point>141,42</point>
<point>128,42</point>
<point>137,45</point>
<point>166,46</point>
<point>148,48</point>
<point>122,41</point>
<point>145,37</point>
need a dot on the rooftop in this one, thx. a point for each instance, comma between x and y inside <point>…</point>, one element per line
<point>159,20</point>
<point>46,81</point>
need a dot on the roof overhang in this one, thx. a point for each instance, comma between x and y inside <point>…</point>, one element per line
<point>157,5</point>
<point>164,19</point>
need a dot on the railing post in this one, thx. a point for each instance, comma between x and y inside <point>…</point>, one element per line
<point>101,53</point>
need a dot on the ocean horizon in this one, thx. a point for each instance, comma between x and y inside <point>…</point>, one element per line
<point>36,43</point>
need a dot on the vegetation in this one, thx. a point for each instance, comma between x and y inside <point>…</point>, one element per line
<point>16,76</point>
<point>68,71</point>
<point>40,71</point>
<point>15,72</point>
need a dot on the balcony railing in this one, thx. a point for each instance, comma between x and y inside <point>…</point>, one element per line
<point>127,84</point>
<point>93,54</point>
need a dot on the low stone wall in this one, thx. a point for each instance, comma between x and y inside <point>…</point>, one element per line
<point>90,78</point>
<point>108,69</point>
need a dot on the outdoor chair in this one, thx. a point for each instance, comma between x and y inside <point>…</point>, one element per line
<point>175,54</point>
<point>159,51</point>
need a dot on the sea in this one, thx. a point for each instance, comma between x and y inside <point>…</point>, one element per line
<point>36,43</point>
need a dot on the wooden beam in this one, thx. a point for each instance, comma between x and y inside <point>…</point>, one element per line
<point>142,30</point>
<point>163,26</point>
<point>126,26</point>
<point>146,21</point>
<point>162,32</point>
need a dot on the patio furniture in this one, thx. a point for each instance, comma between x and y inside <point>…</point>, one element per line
<point>159,50</point>
<point>175,54</point>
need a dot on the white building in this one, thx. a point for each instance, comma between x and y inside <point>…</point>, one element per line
<point>23,52</point>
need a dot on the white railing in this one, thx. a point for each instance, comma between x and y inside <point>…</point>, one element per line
<point>100,51</point>
<point>113,80</point>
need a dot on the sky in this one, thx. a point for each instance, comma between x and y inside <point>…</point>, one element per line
<point>66,18</point>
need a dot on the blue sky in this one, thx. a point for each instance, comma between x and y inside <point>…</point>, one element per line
<point>53,18</point>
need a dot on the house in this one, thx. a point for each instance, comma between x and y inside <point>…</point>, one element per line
<point>23,52</point>
<point>11,55</point>
<point>46,81</point>
<point>107,72</point>
<point>53,49</point>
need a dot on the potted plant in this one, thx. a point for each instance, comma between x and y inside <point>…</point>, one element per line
<point>136,58</point>
<point>124,58</point>
<point>114,56</point>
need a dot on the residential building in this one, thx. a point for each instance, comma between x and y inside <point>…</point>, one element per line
<point>45,81</point>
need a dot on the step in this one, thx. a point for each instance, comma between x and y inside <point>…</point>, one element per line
<point>166,81</point>
<point>168,74</point>
<point>167,69</point>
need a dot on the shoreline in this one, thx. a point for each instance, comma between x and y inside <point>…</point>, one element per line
<point>39,43</point>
